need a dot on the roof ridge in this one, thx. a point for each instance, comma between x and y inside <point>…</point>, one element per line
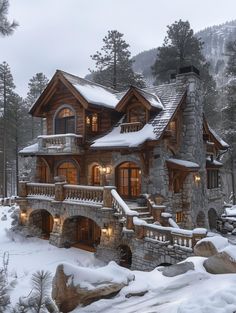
<point>89,81</point>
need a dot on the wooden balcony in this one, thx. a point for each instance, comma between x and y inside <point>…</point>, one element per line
<point>131,127</point>
<point>60,144</point>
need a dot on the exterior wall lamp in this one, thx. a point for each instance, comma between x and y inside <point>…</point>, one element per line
<point>56,219</point>
<point>197,178</point>
<point>23,214</point>
<point>106,230</point>
<point>105,169</point>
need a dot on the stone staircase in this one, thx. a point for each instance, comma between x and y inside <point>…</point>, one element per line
<point>143,211</point>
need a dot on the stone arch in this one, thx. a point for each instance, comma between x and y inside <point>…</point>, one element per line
<point>81,231</point>
<point>212,218</point>
<point>124,255</point>
<point>128,179</point>
<point>74,173</point>
<point>201,219</point>
<point>64,106</point>
<point>91,167</point>
<point>41,221</point>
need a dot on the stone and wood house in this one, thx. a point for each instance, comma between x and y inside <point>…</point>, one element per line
<point>134,176</point>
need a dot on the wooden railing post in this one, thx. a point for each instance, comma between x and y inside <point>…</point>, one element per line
<point>23,189</point>
<point>59,191</point>
<point>107,196</point>
<point>129,221</point>
<point>139,231</point>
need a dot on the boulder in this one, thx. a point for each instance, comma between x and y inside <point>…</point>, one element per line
<point>210,246</point>
<point>177,269</point>
<point>220,263</point>
<point>73,286</point>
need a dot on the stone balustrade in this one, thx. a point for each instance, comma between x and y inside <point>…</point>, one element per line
<point>131,127</point>
<point>84,193</point>
<point>40,190</point>
<point>62,144</point>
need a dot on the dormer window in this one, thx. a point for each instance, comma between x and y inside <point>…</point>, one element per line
<point>65,121</point>
<point>92,121</point>
<point>137,114</point>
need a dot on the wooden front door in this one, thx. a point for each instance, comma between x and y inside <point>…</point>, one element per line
<point>47,222</point>
<point>88,232</point>
<point>129,180</point>
<point>69,171</point>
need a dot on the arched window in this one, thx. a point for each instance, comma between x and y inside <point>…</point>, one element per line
<point>65,121</point>
<point>69,171</point>
<point>96,175</point>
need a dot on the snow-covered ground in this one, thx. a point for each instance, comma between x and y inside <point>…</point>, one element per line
<point>195,291</point>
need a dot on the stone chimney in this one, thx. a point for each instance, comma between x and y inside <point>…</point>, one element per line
<point>192,130</point>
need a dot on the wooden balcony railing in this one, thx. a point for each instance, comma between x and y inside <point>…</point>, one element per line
<point>131,127</point>
<point>63,143</point>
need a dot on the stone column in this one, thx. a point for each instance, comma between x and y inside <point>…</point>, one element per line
<point>23,189</point>
<point>107,197</point>
<point>59,191</point>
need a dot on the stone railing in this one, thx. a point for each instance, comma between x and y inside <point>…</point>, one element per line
<point>63,192</point>
<point>84,193</point>
<point>122,210</point>
<point>40,190</point>
<point>131,127</point>
<point>177,237</point>
<point>64,143</point>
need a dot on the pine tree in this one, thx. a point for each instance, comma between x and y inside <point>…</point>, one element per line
<point>229,111</point>
<point>6,28</point>
<point>6,98</point>
<point>182,48</point>
<point>36,86</point>
<point>114,64</point>
<point>4,296</point>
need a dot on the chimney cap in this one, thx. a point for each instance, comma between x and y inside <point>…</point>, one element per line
<point>189,69</point>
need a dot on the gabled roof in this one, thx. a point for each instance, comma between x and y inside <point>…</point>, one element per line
<point>220,143</point>
<point>149,100</point>
<point>85,91</point>
<point>171,96</point>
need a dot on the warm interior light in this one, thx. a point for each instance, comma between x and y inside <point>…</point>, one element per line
<point>105,170</point>
<point>108,170</point>
<point>105,229</point>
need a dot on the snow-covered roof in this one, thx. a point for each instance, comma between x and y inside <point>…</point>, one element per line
<point>184,163</point>
<point>170,96</point>
<point>117,139</point>
<point>218,138</point>
<point>94,93</point>
<point>152,98</point>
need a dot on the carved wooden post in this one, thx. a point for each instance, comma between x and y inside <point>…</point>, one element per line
<point>107,197</point>
<point>59,191</point>
<point>23,189</point>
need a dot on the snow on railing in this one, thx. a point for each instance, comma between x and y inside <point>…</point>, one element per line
<point>169,235</point>
<point>84,193</point>
<point>122,210</point>
<point>41,189</point>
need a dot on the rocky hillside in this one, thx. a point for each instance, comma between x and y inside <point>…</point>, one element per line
<point>214,38</point>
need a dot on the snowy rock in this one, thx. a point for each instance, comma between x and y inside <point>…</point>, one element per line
<point>210,246</point>
<point>222,263</point>
<point>4,217</point>
<point>177,269</point>
<point>73,286</point>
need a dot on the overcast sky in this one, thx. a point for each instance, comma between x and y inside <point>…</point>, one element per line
<point>62,34</point>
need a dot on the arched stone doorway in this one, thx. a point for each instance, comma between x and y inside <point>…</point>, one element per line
<point>128,177</point>
<point>200,220</point>
<point>69,170</point>
<point>42,221</point>
<point>81,232</point>
<point>125,256</point>
<point>212,218</point>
